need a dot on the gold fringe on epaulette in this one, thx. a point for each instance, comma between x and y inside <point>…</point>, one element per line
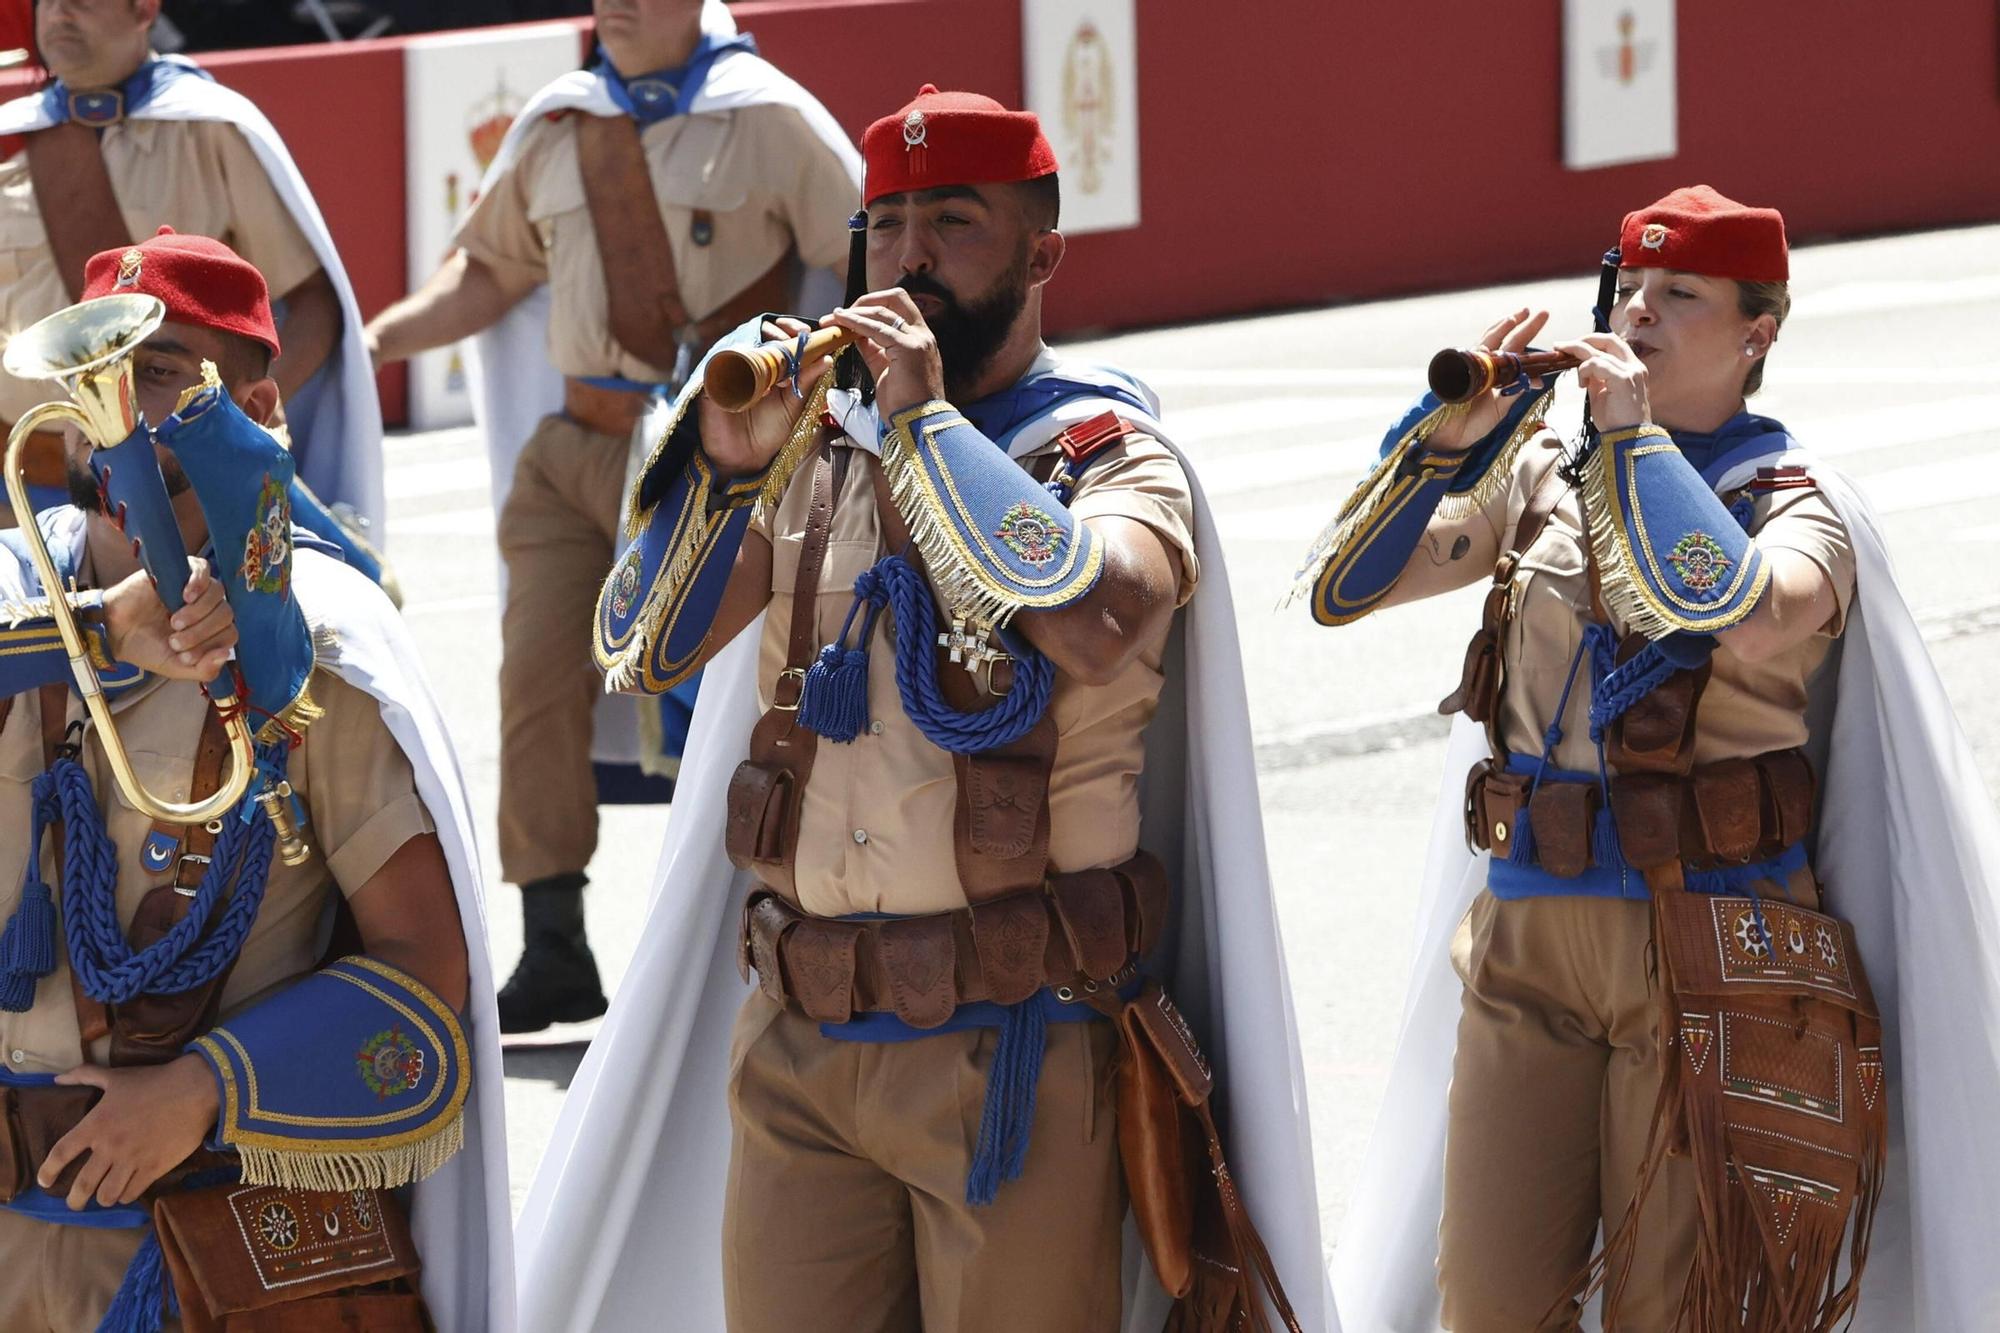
<point>805,433</point>
<point>14,613</point>
<point>295,716</point>
<point>1626,594</point>
<point>380,1169</point>
<point>1461,505</point>
<point>965,589</point>
<point>1363,505</point>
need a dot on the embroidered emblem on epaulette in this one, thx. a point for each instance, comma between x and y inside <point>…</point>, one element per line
<point>625,584</point>
<point>129,265</point>
<point>267,547</point>
<point>1700,561</point>
<point>1087,438</point>
<point>1031,534</point>
<point>390,1063</point>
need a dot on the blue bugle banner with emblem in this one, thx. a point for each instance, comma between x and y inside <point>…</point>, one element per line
<point>685,525</point>
<point>354,1078</point>
<point>242,476</point>
<point>993,539</point>
<point>1357,558</point>
<point>1671,556</point>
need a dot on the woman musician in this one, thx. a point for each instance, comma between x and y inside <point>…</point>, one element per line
<point>1663,593</point>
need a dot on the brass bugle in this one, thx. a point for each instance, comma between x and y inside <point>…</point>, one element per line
<point>738,376</point>
<point>1460,376</point>
<point>87,348</point>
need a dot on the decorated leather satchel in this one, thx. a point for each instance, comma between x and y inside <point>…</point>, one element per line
<point>274,1259</point>
<point>1774,1088</point>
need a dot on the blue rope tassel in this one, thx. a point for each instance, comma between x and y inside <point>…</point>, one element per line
<point>140,1305</point>
<point>1009,1112</point>
<point>833,700</point>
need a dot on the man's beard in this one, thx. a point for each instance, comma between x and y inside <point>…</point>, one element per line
<point>83,488</point>
<point>970,333</point>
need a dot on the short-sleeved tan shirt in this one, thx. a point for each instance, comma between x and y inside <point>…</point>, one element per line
<point>768,182</point>
<point>1748,708</point>
<point>876,826</point>
<point>200,177</point>
<point>353,779</point>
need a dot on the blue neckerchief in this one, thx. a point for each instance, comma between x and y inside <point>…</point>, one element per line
<point>1744,436</point>
<point>649,98</point>
<point>101,107</point>
<point>1000,416</point>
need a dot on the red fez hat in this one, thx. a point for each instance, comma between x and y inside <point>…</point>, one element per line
<point>1697,230</point>
<point>202,282</point>
<point>953,139</point>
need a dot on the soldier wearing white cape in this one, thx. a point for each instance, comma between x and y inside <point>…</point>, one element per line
<point>182,150</point>
<point>933,1223</point>
<point>587,305</point>
<point>1903,840</point>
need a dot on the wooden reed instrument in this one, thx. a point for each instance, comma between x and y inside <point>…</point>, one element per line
<point>1460,376</point>
<point>737,377</point>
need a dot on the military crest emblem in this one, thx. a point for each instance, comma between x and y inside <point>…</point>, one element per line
<point>915,129</point>
<point>129,265</point>
<point>267,547</point>
<point>625,585</point>
<point>1700,561</point>
<point>1030,534</point>
<point>1087,105</point>
<point>390,1063</point>
<point>1654,236</point>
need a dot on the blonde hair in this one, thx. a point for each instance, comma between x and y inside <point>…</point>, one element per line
<point>1762,298</point>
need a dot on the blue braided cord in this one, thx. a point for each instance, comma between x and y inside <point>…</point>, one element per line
<point>105,963</point>
<point>833,697</point>
<point>1009,1112</point>
<point>1625,685</point>
<point>895,583</point>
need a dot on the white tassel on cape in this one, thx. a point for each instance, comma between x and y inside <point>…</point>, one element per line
<point>624,1219</point>
<point>1908,848</point>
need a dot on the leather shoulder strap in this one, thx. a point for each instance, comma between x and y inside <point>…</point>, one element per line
<point>640,280</point>
<point>79,208</point>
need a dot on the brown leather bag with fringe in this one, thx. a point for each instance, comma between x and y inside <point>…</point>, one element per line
<point>1774,1088</point>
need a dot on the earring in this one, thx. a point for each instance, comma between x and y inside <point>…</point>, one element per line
<point>1748,350</point>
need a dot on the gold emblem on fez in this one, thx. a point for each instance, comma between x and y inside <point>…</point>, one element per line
<point>914,130</point>
<point>1654,236</point>
<point>129,265</point>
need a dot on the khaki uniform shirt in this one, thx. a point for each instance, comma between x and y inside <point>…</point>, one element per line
<point>1748,708</point>
<point>769,182</point>
<point>351,776</point>
<point>876,824</point>
<point>200,177</point>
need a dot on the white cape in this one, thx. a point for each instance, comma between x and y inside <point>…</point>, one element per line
<point>461,1215</point>
<point>1908,848</point>
<point>513,384</point>
<point>624,1219</point>
<point>337,445</point>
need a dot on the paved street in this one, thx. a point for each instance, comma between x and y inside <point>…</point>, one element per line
<point>1890,366</point>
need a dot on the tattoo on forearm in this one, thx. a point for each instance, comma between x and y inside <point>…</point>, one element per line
<point>1439,556</point>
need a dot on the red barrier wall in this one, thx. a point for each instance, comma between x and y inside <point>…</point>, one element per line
<point>1300,152</point>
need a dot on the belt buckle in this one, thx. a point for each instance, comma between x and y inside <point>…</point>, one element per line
<point>184,860</point>
<point>797,674</point>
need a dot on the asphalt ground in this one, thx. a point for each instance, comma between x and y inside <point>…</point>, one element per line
<point>1889,365</point>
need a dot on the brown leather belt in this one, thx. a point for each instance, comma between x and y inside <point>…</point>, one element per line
<point>1078,931</point>
<point>1728,813</point>
<point>605,410</point>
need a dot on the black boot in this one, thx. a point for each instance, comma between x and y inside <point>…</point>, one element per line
<point>556,979</point>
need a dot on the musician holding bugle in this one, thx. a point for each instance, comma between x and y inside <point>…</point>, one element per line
<point>1664,591</point>
<point>917,821</point>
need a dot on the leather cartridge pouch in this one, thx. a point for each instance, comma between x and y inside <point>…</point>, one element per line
<point>1493,801</point>
<point>270,1259</point>
<point>36,1118</point>
<point>1561,814</point>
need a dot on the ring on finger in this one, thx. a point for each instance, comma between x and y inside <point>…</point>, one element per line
<point>899,322</point>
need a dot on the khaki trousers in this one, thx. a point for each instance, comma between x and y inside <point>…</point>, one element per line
<point>558,533</point>
<point>60,1279</point>
<point>1552,1097</point>
<point>846,1202</point>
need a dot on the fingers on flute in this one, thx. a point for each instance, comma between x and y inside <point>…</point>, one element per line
<point>1524,332</point>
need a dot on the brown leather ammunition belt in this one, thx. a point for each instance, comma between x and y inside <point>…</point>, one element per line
<point>1078,931</point>
<point>1728,813</point>
<point>35,1120</point>
<point>605,410</point>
